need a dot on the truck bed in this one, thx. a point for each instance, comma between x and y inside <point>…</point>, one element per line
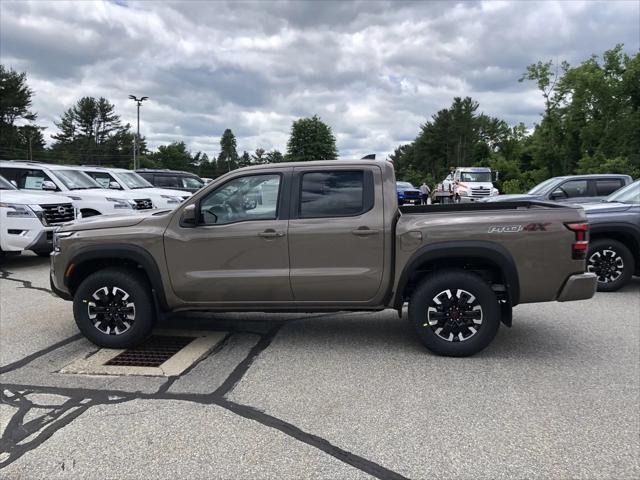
<point>471,207</point>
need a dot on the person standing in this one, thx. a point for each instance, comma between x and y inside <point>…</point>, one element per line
<point>424,193</point>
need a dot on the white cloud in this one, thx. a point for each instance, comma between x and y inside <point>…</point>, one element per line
<point>375,71</point>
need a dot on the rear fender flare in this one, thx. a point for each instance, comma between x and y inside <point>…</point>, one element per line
<point>491,252</point>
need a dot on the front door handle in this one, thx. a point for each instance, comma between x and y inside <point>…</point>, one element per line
<point>364,231</point>
<point>271,233</point>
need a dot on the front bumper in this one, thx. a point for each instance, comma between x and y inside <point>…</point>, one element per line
<point>17,236</point>
<point>580,286</point>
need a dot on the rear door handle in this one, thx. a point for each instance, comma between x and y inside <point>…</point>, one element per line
<point>270,233</point>
<point>364,231</point>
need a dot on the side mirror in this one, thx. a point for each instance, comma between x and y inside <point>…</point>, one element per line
<point>188,217</point>
<point>115,186</point>
<point>49,186</point>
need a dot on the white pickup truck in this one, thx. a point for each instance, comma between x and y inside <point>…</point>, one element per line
<point>87,195</point>
<point>28,219</point>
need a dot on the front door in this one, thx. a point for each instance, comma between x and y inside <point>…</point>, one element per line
<point>237,252</point>
<point>336,234</point>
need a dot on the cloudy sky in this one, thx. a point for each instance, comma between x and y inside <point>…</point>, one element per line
<point>374,70</point>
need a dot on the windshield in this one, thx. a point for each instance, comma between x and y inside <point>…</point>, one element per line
<point>404,185</point>
<point>6,184</point>
<point>191,182</point>
<point>629,194</point>
<point>133,180</point>
<point>542,187</point>
<point>475,177</point>
<point>75,180</point>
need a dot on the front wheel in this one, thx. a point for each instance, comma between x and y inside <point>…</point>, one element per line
<point>455,313</point>
<point>612,262</point>
<point>113,308</point>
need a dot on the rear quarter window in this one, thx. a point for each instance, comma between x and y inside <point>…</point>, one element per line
<point>606,187</point>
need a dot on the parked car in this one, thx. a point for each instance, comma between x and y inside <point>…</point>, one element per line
<point>322,236</point>
<point>571,188</point>
<point>27,219</point>
<point>86,194</point>
<point>614,249</point>
<point>174,179</point>
<point>122,179</point>
<point>407,193</point>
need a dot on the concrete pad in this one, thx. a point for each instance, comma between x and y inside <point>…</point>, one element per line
<point>95,364</point>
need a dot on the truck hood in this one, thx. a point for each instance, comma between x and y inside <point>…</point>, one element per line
<point>605,207</point>
<point>29,198</point>
<point>102,193</point>
<point>487,185</point>
<point>110,221</point>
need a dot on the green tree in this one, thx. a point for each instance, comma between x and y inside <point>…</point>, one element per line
<point>274,156</point>
<point>311,139</point>
<point>259,156</point>
<point>91,132</point>
<point>244,160</point>
<point>228,157</point>
<point>174,156</point>
<point>15,107</point>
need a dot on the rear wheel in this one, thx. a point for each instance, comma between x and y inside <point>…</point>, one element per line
<point>612,262</point>
<point>455,313</point>
<point>113,308</point>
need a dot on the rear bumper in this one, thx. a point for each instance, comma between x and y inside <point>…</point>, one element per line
<point>578,287</point>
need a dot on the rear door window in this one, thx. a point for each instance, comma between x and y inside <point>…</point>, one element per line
<point>166,181</point>
<point>334,194</point>
<point>606,187</point>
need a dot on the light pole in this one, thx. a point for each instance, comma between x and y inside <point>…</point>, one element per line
<point>135,139</point>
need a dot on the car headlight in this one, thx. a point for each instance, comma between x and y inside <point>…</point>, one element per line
<point>119,203</point>
<point>17,210</point>
<point>171,199</point>
<point>73,197</point>
<point>495,191</point>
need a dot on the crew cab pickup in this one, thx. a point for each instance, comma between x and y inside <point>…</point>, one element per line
<point>320,237</point>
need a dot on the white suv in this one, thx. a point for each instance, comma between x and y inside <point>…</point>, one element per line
<point>27,219</point>
<point>121,179</point>
<point>86,194</point>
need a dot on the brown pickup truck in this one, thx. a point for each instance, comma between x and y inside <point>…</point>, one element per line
<point>320,237</point>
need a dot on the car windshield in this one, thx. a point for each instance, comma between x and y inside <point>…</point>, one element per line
<point>6,184</point>
<point>191,182</point>
<point>629,194</point>
<point>475,177</point>
<point>542,187</point>
<point>133,180</point>
<point>405,185</point>
<point>75,180</point>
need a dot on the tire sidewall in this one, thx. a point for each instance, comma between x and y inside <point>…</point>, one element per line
<point>453,280</point>
<point>623,252</point>
<point>132,283</point>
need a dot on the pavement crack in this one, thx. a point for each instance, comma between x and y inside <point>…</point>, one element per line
<point>6,275</point>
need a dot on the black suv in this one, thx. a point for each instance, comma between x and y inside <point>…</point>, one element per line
<point>175,179</point>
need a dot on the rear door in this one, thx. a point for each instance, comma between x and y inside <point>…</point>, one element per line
<point>336,240</point>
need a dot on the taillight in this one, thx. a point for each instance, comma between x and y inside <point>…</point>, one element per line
<point>581,245</point>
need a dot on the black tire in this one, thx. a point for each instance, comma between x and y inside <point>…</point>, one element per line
<point>459,314</point>
<point>612,261</point>
<point>136,322</point>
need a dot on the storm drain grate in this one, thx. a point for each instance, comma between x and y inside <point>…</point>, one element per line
<point>156,350</point>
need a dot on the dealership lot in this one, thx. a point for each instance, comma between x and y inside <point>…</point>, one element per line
<point>346,395</point>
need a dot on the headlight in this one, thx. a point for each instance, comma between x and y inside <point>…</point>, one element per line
<point>495,191</point>
<point>171,199</point>
<point>16,210</point>
<point>73,197</point>
<point>119,203</point>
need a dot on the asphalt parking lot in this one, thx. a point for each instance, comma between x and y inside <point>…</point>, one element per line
<point>347,395</point>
